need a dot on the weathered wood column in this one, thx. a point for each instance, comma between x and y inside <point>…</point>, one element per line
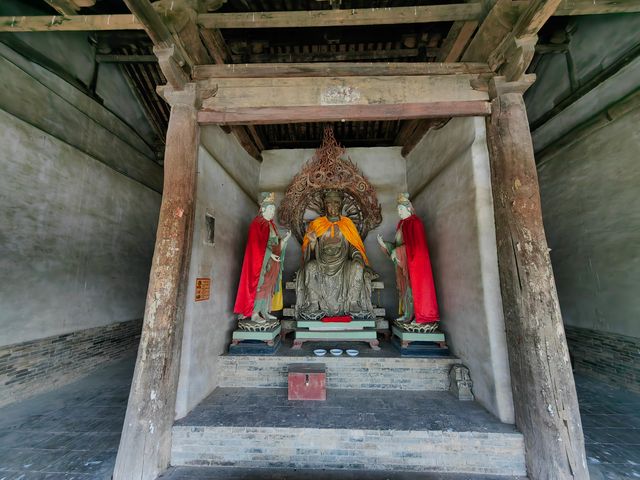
<point>544,394</point>
<point>145,445</point>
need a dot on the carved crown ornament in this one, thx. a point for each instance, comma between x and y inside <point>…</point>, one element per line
<point>328,169</point>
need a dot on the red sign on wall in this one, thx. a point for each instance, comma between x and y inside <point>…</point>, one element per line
<point>203,289</point>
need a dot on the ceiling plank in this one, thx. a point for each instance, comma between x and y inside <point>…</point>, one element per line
<point>457,40</point>
<point>269,70</point>
<point>347,17</point>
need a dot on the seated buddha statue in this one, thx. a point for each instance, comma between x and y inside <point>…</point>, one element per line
<point>335,277</point>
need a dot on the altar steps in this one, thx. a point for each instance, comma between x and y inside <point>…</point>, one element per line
<point>381,372</point>
<point>416,431</point>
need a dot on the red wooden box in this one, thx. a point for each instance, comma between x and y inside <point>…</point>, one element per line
<point>307,381</point>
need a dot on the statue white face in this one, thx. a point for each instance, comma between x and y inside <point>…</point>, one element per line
<point>269,212</point>
<point>403,212</point>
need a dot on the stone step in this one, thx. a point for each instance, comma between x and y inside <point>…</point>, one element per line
<point>352,430</point>
<point>361,372</point>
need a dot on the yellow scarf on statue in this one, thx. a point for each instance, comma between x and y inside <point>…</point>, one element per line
<point>322,224</point>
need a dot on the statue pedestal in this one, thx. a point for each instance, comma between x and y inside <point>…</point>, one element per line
<point>245,342</point>
<point>415,344</point>
<point>354,331</point>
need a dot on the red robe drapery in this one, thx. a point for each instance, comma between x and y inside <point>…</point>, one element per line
<point>425,303</point>
<point>251,266</point>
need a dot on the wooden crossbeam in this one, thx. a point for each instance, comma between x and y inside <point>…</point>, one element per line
<point>270,70</point>
<point>347,17</point>
<point>424,14</point>
<point>312,99</point>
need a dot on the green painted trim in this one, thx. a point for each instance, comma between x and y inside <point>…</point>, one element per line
<point>352,325</point>
<point>417,337</point>
<point>343,335</point>
<point>246,335</point>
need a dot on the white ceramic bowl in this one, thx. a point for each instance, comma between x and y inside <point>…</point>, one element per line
<point>320,352</point>
<point>336,352</point>
<point>353,353</point>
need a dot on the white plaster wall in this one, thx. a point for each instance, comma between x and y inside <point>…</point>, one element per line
<point>76,237</point>
<point>449,181</point>
<point>208,324</point>
<point>386,170</point>
<point>590,193</point>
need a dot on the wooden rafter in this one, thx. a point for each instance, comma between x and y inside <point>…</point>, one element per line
<point>63,7</point>
<point>412,131</point>
<point>457,40</point>
<point>458,12</point>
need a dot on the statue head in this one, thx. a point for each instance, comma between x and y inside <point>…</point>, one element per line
<point>267,205</point>
<point>333,202</point>
<point>405,209</point>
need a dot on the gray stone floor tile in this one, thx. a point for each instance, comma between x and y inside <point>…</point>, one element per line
<point>71,433</point>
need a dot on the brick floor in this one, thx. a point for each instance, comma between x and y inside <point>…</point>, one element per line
<point>73,433</point>
<point>611,424</point>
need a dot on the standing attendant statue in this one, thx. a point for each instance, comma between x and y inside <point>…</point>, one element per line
<point>260,288</point>
<point>410,255</point>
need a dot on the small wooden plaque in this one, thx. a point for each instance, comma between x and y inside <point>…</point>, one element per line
<point>203,289</point>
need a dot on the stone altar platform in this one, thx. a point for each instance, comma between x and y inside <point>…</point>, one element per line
<point>376,370</point>
<point>419,431</point>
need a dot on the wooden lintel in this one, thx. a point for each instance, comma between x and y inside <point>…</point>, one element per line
<point>47,23</point>
<point>337,113</point>
<point>333,98</point>
<point>269,70</point>
<point>346,17</point>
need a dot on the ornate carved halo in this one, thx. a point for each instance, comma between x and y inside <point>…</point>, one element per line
<point>327,170</point>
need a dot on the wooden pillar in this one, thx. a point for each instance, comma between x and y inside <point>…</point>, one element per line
<point>145,445</point>
<point>544,394</point>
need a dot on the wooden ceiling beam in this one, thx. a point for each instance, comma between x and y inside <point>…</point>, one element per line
<point>514,54</point>
<point>317,99</point>
<point>347,17</point>
<point>329,69</point>
<point>465,12</point>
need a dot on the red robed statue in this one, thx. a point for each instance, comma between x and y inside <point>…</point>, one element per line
<point>260,287</point>
<point>414,278</point>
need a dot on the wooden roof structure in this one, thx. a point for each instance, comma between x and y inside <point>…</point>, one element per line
<point>378,37</point>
